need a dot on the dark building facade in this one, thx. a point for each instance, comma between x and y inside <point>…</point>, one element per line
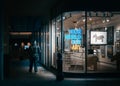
<point>86,34</point>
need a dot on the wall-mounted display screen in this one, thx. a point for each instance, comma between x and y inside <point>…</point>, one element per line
<point>98,37</point>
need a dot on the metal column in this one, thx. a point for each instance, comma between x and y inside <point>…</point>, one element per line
<point>86,50</point>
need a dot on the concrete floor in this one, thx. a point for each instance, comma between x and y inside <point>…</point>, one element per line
<point>19,76</point>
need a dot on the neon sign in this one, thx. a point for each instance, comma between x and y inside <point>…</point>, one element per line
<point>75,41</point>
<point>67,36</point>
<point>74,31</point>
<point>74,35</point>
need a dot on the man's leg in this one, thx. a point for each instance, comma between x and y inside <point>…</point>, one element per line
<point>35,66</point>
<point>31,65</point>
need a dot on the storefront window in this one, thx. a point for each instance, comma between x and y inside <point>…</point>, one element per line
<point>47,45</point>
<point>92,53</point>
<point>56,39</point>
<point>42,46</point>
<point>74,49</point>
<point>58,33</point>
<point>53,43</point>
<point>101,28</point>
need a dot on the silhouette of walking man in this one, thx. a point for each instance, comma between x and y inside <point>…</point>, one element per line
<point>35,50</point>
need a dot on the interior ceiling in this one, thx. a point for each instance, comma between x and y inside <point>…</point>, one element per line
<point>29,7</point>
<point>76,21</point>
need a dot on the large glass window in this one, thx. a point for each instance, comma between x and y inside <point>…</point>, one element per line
<point>53,32</point>
<point>58,33</point>
<point>74,49</point>
<point>47,45</point>
<point>101,27</point>
<point>98,51</point>
<point>56,39</point>
<point>43,40</point>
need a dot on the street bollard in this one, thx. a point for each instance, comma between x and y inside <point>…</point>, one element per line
<point>59,75</point>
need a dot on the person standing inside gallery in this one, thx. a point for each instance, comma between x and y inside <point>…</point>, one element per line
<point>35,50</point>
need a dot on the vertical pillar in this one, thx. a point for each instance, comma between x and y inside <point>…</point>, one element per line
<point>1,39</point>
<point>60,75</point>
<point>86,50</point>
<point>50,43</point>
<point>56,46</point>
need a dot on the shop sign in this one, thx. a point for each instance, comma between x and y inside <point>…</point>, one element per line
<point>75,41</point>
<point>75,31</point>
<point>75,35</point>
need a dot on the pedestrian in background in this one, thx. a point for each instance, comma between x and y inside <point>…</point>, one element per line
<point>35,50</point>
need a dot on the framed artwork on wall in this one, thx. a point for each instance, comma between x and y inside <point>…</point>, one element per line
<point>98,38</point>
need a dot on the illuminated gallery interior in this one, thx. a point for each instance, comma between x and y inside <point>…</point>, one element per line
<point>87,40</point>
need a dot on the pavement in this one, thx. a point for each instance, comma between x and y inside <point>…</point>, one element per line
<point>19,76</point>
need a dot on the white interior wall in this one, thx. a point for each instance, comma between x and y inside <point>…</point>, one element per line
<point>116,25</point>
<point>53,42</point>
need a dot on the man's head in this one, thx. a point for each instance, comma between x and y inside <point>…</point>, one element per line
<point>35,42</point>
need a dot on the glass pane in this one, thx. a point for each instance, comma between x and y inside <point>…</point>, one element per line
<point>53,44</point>
<point>101,46</point>
<point>47,45</point>
<point>74,50</point>
<point>58,33</point>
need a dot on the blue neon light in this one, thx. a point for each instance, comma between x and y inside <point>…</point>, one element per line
<point>67,36</point>
<point>73,31</point>
<point>75,35</point>
<point>75,41</point>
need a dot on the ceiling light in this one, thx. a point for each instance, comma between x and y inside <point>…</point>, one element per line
<point>103,21</point>
<point>20,33</point>
<point>83,20</point>
<point>63,18</point>
<point>107,20</point>
<point>105,28</point>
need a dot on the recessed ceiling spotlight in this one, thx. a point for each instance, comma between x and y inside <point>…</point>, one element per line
<point>107,20</point>
<point>83,20</point>
<point>105,28</point>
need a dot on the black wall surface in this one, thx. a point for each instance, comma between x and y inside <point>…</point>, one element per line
<point>1,38</point>
<point>84,5</point>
